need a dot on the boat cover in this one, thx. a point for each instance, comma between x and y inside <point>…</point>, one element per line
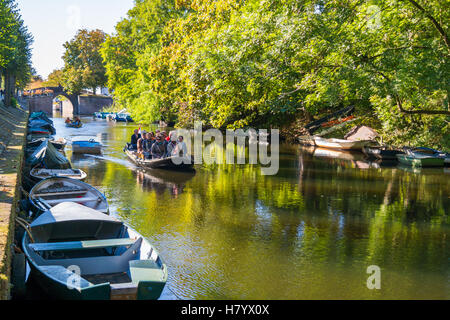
<point>42,124</point>
<point>71,212</point>
<point>47,154</point>
<point>41,116</point>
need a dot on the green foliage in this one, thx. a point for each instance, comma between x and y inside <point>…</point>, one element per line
<point>83,64</point>
<point>15,45</point>
<point>54,79</point>
<point>233,64</point>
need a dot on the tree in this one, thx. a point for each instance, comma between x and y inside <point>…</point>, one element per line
<point>83,64</point>
<point>15,50</point>
<point>265,63</point>
<point>54,79</point>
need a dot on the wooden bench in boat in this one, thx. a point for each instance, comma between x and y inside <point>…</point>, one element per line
<point>57,193</point>
<point>81,245</point>
<point>85,199</point>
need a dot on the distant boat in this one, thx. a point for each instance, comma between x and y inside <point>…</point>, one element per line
<point>42,174</point>
<point>52,191</point>
<point>122,117</point>
<point>429,152</point>
<point>73,125</point>
<point>102,115</point>
<point>341,144</point>
<point>86,145</point>
<point>417,160</point>
<point>168,163</point>
<point>77,253</point>
<point>381,153</point>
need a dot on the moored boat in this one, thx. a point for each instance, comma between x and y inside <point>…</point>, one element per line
<point>122,117</point>
<point>52,191</point>
<point>59,143</point>
<point>381,153</point>
<point>169,163</point>
<point>78,253</point>
<point>86,145</point>
<point>41,174</point>
<point>416,160</point>
<point>341,143</point>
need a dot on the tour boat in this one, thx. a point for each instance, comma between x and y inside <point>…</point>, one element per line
<point>78,253</point>
<point>87,145</point>
<point>41,174</point>
<point>169,163</point>
<point>52,191</point>
<point>341,143</point>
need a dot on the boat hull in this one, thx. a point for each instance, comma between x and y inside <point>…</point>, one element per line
<point>84,194</point>
<point>41,174</point>
<point>86,147</point>
<point>420,161</point>
<point>381,154</point>
<point>164,163</point>
<point>341,144</point>
<point>141,287</point>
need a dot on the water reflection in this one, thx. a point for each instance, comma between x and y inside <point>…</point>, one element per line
<point>162,180</point>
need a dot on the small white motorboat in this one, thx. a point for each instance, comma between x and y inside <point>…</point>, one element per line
<point>86,145</point>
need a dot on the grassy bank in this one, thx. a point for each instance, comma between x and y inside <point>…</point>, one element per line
<point>12,138</point>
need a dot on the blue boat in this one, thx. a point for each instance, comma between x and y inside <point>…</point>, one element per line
<point>122,117</point>
<point>78,253</point>
<point>86,145</point>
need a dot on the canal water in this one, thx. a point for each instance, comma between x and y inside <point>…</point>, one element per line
<point>309,232</point>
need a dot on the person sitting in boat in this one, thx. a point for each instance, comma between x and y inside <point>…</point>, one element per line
<point>158,148</point>
<point>76,121</point>
<point>68,120</point>
<point>181,149</point>
<point>147,145</point>
<point>171,144</point>
<point>134,139</point>
<point>140,148</point>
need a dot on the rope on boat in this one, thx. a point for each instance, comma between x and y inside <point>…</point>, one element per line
<point>24,224</point>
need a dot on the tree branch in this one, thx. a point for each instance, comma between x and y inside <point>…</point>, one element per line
<point>431,112</point>
<point>433,20</point>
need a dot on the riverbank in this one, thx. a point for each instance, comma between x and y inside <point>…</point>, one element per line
<point>12,139</point>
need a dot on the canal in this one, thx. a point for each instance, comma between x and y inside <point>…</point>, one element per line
<point>309,232</point>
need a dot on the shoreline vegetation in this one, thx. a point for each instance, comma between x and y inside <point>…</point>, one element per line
<point>270,64</point>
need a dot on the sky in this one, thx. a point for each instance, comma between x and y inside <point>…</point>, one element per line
<point>53,22</point>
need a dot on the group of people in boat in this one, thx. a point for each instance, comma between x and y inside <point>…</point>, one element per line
<point>76,121</point>
<point>157,145</point>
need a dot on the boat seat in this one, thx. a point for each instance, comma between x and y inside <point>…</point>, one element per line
<point>81,245</point>
<point>64,275</point>
<point>85,199</point>
<point>145,270</point>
